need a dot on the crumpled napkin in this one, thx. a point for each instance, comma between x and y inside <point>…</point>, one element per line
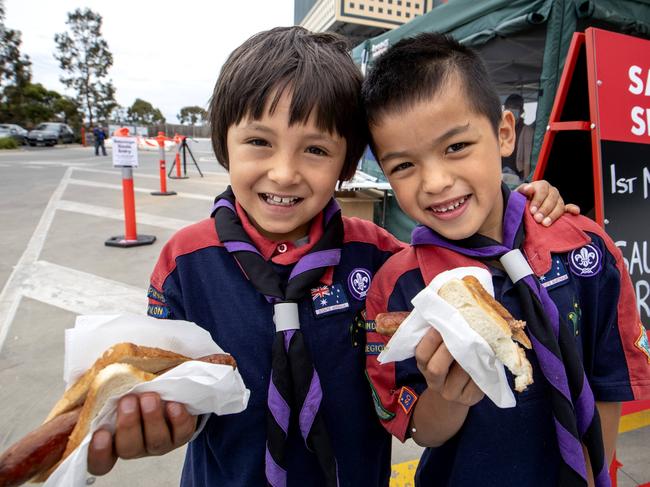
<point>204,388</point>
<point>467,347</point>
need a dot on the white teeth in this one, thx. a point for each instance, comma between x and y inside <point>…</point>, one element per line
<point>450,207</point>
<point>280,200</point>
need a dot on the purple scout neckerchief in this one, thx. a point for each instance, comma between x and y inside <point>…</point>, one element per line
<point>576,417</point>
<point>294,386</point>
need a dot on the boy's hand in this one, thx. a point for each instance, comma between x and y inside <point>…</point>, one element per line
<point>546,204</point>
<point>145,426</point>
<point>442,372</point>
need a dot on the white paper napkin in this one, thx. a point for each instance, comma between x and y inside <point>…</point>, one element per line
<point>203,387</point>
<point>93,334</point>
<point>467,347</point>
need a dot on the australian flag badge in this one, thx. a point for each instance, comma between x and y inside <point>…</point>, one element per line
<point>557,276</point>
<point>329,299</point>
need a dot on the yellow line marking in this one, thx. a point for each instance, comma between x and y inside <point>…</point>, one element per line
<point>402,474</point>
<point>634,421</point>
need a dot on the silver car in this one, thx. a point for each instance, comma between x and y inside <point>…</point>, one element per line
<point>50,133</point>
<point>12,130</point>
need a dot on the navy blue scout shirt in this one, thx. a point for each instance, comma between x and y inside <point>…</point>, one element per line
<point>197,280</point>
<point>585,276</point>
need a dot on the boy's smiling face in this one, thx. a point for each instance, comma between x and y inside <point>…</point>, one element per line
<point>282,175</point>
<point>443,161</point>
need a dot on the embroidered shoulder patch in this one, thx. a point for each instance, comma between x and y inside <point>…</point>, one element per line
<point>557,276</point>
<point>383,413</point>
<point>642,342</point>
<point>586,261</point>
<point>158,311</point>
<point>374,348</point>
<point>407,399</point>
<point>358,283</point>
<point>329,299</point>
<point>153,293</point>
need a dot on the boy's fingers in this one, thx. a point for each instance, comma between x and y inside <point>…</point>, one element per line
<point>455,382</point>
<point>101,457</point>
<point>129,442</point>
<point>182,423</point>
<point>571,208</point>
<point>554,214</point>
<point>551,204</point>
<point>427,346</point>
<point>157,437</point>
<point>437,369</point>
<point>471,394</point>
<point>537,193</point>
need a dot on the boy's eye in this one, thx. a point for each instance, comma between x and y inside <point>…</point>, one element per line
<point>316,151</point>
<point>457,147</point>
<point>401,167</point>
<point>258,142</point>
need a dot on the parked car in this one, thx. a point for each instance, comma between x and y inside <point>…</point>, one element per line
<point>50,133</point>
<point>15,131</point>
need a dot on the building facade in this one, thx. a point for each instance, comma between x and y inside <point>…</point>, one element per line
<point>358,19</point>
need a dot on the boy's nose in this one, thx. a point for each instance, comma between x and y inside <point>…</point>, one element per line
<point>283,171</point>
<point>435,178</point>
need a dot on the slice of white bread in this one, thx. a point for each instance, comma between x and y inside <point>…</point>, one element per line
<point>113,380</point>
<point>468,297</point>
<point>149,359</point>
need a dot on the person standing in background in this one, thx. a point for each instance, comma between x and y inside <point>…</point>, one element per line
<point>99,135</point>
<point>519,161</point>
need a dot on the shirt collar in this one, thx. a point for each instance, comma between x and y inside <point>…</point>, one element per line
<point>561,237</point>
<point>285,252</point>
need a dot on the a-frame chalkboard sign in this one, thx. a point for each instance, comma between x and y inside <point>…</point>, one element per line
<point>597,144</point>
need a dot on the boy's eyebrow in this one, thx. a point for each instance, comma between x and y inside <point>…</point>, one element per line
<point>258,126</point>
<point>448,134</point>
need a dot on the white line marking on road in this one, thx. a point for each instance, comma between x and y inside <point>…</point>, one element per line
<point>220,176</point>
<point>10,295</point>
<point>81,292</point>
<point>116,214</point>
<point>95,184</point>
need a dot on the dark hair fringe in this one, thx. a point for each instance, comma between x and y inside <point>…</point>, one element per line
<point>315,67</point>
<point>417,68</point>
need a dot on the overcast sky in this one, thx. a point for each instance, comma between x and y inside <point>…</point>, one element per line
<point>168,53</point>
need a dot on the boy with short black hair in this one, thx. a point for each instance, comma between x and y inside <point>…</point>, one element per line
<point>439,134</point>
<point>279,279</point>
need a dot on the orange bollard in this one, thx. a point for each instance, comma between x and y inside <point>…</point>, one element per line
<point>163,176</point>
<point>130,237</point>
<point>83,136</point>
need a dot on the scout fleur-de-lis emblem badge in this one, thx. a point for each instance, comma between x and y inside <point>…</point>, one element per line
<point>359,282</point>
<point>585,261</point>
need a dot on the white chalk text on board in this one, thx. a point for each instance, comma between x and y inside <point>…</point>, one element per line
<point>635,256</point>
<point>630,185</point>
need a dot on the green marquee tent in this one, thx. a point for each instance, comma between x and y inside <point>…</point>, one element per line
<point>523,42</point>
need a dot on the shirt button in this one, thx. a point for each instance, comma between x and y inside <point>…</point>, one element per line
<point>282,248</point>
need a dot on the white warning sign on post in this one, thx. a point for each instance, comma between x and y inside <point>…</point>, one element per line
<point>125,152</point>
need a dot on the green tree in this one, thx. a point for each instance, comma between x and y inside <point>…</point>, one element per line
<point>67,110</point>
<point>142,112</point>
<point>15,70</point>
<point>193,115</point>
<point>84,57</point>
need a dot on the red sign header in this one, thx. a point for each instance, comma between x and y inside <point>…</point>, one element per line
<point>622,69</point>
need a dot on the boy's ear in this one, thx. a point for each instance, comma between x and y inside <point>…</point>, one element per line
<point>507,134</point>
